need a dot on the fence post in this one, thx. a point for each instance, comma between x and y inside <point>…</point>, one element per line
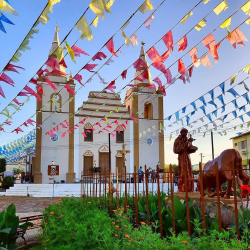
<point>172,196</point>
<point>125,207</point>
<point>218,194</point>
<point>159,200</point>
<point>235,200</point>
<point>187,203</point>
<point>147,194</point>
<point>136,204</point>
<point>117,187</point>
<point>105,187</point>
<point>202,198</point>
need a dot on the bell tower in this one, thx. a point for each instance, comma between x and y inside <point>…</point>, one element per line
<point>51,111</point>
<point>147,109</point>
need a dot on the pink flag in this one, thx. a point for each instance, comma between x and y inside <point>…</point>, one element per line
<point>190,71</point>
<point>69,89</point>
<point>181,67</point>
<point>205,61</point>
<point>63,63</point>
<point>183,43</point>
<point>66,123</point>
<point>153,55</point>
<point>74,127</point>
<point>137,78</point>
<point>209,41</point>
<point>39,73</point>
<point>109,126</point>
<point>168,40</point>
<point>2,93</point>
<point>99,56</point>
<point>98,123</point>
<point>145,74</point>
<point>78,77</point>
<point>89,67</point>
<point>236,37</point>
<point>168,75</point>
<point>69,131</point>
<point>51,133</point>
<point>150,86</point>
<point>2,129</point>
<point>113,135</point>
<point>8,122</point>
<point>182,77</point>
<point>50,84</point>
<point>192,53</point>
<point>214,52</point>
<point>47,133</point>
<point>78,51</point>
<point>32,92</point>
<point>34,81</point>
<point>160,66</point>
<point>133,119</point>
<point>149,21</point>
<point>133,39</point>
<point>116,122</point>
<point>158,81</point>
<point>123,125</point>
<point>21,93</point>
<point>40,89</point>
<point>56,71</point>
<point>11,67</point>
<point>118,129</point>
<point>30,121</point>
<point>100,132</point>
<point>106,130</point>
<point>25,124</point>
<point>124,74</point>
<point>7,79</point>
<point>17,102</point>
<point>52,63</point>
<point>83,120</point>
<point>132,85</point>
<point>88,131</point>
<point>64,134</point>
<point>140,63</point>
<point>84,134</point>
<point>111,87</point>
<point>17,130</point>
<point>62,124</point>
<point>165,56</point>
<point>110,46</point>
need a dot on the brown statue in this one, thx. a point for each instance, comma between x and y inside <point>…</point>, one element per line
<point>225,162</point>
<point>183,147</point>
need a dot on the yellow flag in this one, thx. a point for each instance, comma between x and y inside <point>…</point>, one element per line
<point>233,78</point>
<point>4,6</point>
<point>95,22</point>
<point>70,51</point>
<point>205,1</point>
<point>84,29</point>
<point>201,24</point>
<point>197,64</point>
<point>247,69</point>
<point>44,16</point>
<point>110,3</point>
<point>125,25</point>
<point>246,8</point>
<point>127,41</point>
<point>59,52</point>
<point>184,19</point>
<point>111,112</point>
<point>226,24</point>
<point>247,21</point>
<point>98,8</point>
<point>146,6</point>
<point>221,7</point>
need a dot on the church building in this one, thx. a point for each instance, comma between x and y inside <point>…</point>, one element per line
<point>74,154</point>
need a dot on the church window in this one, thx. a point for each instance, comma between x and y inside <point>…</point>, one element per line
<point>120,137</point>
<point>56,102</point>
<point>89,134</point>
<point>148,111</point>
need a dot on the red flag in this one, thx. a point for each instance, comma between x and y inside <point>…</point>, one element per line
<point>52,63</point>
<point>190,71</point>
<point>124,74</point>
<point>145,75</point>
<point>40,73</point>
<point>2,93</point>
<point>63,135</point>
<point>34,81</point>
<point>168,40</point>
<point>63,63</point>
<point>182,77</point>
<point>181,67</point>
<point>11,67</point>
<point>78,77</point>
<point>17,102</point>
<point>183,43</point>
<point>140,63</point>
<point>89,67</point>
<point>99,56</point>
<point>110,46</point>
<point>69,89</point>
<point>7,79</point>
<point>168,76</point>
<point>78,51</point>
<point>50,84</point>
<point>84,134</point>
<point>32,92</point>
<point>236,37</point>
<point>40,89</point>
<point>111,87</point>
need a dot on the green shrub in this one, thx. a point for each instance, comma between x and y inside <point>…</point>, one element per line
<point>2,165</point>
<point>9,223</point>
<point>8,182</point>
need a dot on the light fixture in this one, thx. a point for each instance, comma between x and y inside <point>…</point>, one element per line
<point>52,163</point>
<point>19,165</point>
<point>95,163</point>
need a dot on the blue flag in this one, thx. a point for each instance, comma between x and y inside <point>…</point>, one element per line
<point>202,99</point>
<point>213,103</point>
<point>235,103</point>
<point>214,113</point>
<point>243,107</point>
<point>183,110</point>
<point>211,92</point>
<point>203,109</point>
<point>234,113</point>
<point>222,86</point>
<point>248,113</point>
<point>220,97</point>
<point>246,97</point>
<point>193,112</point>
<point>224,117</point>
<point>209,117</point>
<point>169,118</point>
<point>223,109</point>
<point>233,92</point>
<point>188,119</point>
<point>241,117</point>
<point>194,106</point>
<point>177,116</point>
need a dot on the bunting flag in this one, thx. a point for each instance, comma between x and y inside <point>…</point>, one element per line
<point>99,6</point>
<point>221,7</point>
<point>32,92</point>
<point>177,116</point>
<point>89,67</point>
<point>78,51</point>
<point>78,77</point>
<point>7,79</point>
<point>246,97</point>
<point>220,97</point>
<point>185,18</point>
<point>183,110</point>
<point>223,108</point>
<point>168,40</point>
<point>243,108</point>
<point>203,109</point>
<point>4,6</point>
<point>70,51</point>
<point>133,39</point>
<point>111,86</point>
<point>235,103</point>
<point>222,86</point>
<point>202,99</point>
<point>127,41</point>
<point>205,61</point>
<point>233,78</point>
<point>182,44</point>
<point>149,21</point>
<point>227,25</point>
<point>110,47</point>
<point>214,113</point>
<point>99,56</point>
<point>69,89</point>
<point>209,117</point>
<point>51,84</point>
<point>146,6</point>
<point>234,113</point>
<point>246,8</point>
<point>192,53</point>
<point>11,67</point>
<point>213,103</point>
<point>224,117</point>
<point>192,113</point>
<point>187,119</point>
<point>201,24</point>
<point>140,63</point>
<point>62,62</point>
<point>4,19</point>
<point>194,105</point>
<point>247,69</point>
<point>241,117</point>
<point>181,67</point>
<point>233,92</point>
<point>211,92</point>
<point>124,74</point>
<point>17,130</point>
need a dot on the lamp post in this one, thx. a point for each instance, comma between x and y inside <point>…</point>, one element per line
<point>95,163</point>
<point>52,173</point>
<point>201,159</point>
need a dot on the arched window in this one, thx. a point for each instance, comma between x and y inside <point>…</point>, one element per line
<point>88,132</point>
<point>56,102</point>
<point>148,111</point>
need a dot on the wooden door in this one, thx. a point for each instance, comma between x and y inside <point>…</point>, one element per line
<point>88,163</point>
<point>104,162</point>
<point>121,169</point>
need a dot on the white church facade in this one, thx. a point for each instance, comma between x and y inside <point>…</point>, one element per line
<point>74,154</point>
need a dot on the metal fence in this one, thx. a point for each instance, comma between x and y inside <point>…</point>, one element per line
<point>101,184</point>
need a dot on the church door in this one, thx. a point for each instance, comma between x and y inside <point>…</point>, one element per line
<point>88,163</point>
<point>104,162</point>
<point>121,169</point>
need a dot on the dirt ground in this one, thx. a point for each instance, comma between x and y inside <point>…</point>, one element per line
<point>26,204</point>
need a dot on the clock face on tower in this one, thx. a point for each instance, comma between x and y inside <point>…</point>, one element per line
<point>56,97</point>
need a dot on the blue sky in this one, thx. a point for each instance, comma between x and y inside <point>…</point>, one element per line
<point>66,14</point>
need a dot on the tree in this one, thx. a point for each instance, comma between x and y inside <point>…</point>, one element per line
<point>2,165</point>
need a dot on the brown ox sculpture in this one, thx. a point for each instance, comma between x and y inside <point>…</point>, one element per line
<point>225,166</point>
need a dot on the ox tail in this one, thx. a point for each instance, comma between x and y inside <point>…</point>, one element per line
<point>238,167</point>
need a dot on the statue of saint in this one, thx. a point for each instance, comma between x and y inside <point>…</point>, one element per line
<point>183,147</point>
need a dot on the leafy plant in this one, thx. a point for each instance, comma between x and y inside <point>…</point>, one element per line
<point>2,165</point>
<point>9,223</point>
<point>95,169</point>
<point>8,182</point>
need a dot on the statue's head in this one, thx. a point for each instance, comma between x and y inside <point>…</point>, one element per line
<point>184,132</point>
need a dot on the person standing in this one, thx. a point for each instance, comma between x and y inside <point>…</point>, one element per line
<point>140,174</point>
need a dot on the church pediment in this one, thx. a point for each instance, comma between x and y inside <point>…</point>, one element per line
<point>88,153</point>
<point>104,149</point>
